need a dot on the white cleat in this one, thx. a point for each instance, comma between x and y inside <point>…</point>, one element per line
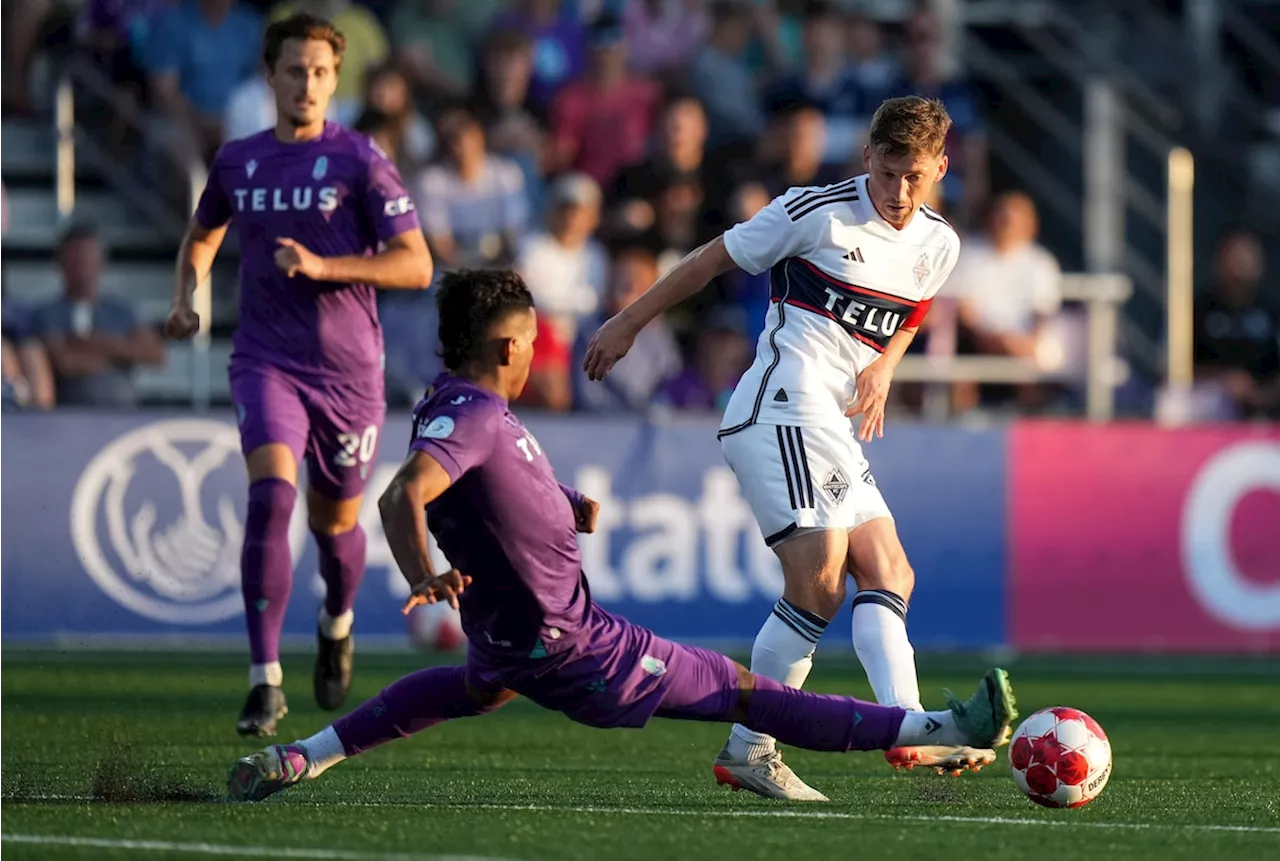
<point>941,758</point>
<point>768,777</point>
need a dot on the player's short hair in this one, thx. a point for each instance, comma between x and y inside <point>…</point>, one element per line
<point>302,27</point>
<point>910,125</point>
<point>470,302</point>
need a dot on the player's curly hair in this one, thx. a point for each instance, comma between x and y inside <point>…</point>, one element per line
<point>302,27</point>
<point>910,125</point>
<point>470,302</point>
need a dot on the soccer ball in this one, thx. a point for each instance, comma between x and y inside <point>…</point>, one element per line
<point>436,628</point>
<point>1060,757</point>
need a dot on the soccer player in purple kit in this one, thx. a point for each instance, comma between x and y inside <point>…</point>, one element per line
<point>508,529</point>
<point>322,219</point>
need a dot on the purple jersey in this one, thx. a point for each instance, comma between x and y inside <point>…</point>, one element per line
<point>338,196</point>
<point>504,520</point>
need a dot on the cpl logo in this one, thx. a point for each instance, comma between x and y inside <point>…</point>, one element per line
<point>1211,502</point>
<point>166,556</point>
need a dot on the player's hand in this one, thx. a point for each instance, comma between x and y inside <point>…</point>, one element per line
<point>609,344</point>
<point>873,391</point>
<point>444,587</point>
<point>182,322</point>
<point>586,515</point>
<point>294,259</point>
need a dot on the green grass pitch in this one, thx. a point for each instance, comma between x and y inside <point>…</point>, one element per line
<point>115,755</point>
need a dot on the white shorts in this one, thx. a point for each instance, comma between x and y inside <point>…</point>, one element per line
<point>800,479</point>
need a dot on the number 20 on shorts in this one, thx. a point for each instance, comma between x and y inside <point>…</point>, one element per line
<point>356,445</point>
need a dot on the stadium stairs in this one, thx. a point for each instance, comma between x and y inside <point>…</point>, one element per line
<point>140,250</point>
<point>1033,65</point>
<point>1031,59</point>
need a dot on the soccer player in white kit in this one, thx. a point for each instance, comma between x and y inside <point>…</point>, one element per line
<point>853,268</point>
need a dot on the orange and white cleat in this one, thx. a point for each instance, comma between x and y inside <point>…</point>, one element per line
<point>941,758</point>
<point>768,777</point>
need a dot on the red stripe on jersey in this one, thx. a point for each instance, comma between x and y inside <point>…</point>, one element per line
<point>916,317</point>
<point>823,312</point>
<point>854,287</point>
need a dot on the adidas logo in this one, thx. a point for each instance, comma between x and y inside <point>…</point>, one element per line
<point>781,396</point>
<point>855,256</point>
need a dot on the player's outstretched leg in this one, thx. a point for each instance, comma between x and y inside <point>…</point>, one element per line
<point>813,568</point>
<point>266,577</point>
<point>407,706</point>
<point>342,558</point>
<point>885,581</point>
<point>824,722</point>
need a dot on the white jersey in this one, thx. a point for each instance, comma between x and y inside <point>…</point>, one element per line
<point>842,281</point>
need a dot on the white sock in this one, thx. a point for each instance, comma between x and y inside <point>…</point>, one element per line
<point>266,674</point>
<point>336,627</point>
<point>880,639</point>
<point>922,727</point>
<point>783,651</point>
<point>324,751</point>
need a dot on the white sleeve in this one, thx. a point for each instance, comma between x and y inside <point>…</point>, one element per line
<point>946,265</point>
<point>767,237</point>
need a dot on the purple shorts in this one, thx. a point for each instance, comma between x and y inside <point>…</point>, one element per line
<point>616,674</point>
<point>333,426</point>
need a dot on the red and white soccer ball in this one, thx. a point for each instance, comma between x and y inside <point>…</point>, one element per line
<point>436,628</point>
<point>1060,757</point>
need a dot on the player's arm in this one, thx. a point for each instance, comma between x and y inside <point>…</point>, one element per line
<point>754,245</point>
<point>404,264</point>
<point>586,511</point>
<point>199,247</point>
<point>200,244</point>
<point>873,382</point>
<point>698,268</point>
<point>445,445</point>
<point>419,481</point>
<point>405,261</point>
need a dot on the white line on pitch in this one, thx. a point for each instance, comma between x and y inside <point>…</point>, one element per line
<point>225,849</point>
<point>763,814</point>
<point>821,814</point>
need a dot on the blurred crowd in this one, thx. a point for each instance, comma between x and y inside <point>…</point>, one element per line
<point>592,143</point>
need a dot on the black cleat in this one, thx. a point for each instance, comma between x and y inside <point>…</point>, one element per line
<point>334,659</point>
<point>264,706</point>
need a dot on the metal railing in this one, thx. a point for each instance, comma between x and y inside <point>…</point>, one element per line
<point>1101,294</point>
<point>1106,201</point>
<point>1179,309</point>
<point>1104,370</point>
<point>72,141</point>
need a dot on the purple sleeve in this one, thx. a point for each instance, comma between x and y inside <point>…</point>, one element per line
<point>387,203</point>
<point>576,498</point>
<point>214,209</point>
<point>459,438</point>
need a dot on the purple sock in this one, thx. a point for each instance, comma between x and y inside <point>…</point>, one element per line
<point>819,721</point>
<point>407,706</point>
<point>342,559</point>
<point>266,568</point>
